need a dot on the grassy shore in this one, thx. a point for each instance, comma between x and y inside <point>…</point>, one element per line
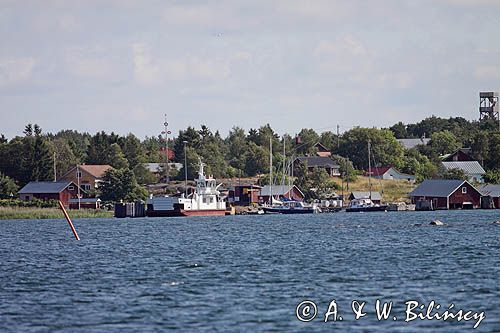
<point>12,213</point>
<point>391,190</point>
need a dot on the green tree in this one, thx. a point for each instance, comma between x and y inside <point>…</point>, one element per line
<point>492,176</point>
<point>132,150</point>
<point>453,174</point>
<point>65,158</point>
<point>7,186</point>
<point>193,164</point>
<point>443,142</point>
<point>98,149</point>
<point>399,130</point>
<point>120,184</point>
<point>115,157</point>
<point>385,149</point>
<point>256,160</point>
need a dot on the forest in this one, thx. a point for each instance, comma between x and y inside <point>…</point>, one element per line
<point>31,156</point>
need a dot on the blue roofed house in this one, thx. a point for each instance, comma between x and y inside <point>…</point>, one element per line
<point>472,169</point>
<point>61,190</point>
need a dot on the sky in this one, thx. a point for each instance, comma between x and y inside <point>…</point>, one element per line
<point>122,65</point>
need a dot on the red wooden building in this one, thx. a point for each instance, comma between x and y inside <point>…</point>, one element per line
<point>63,191</point>
<point>447,194</point>
<point>281,191</point>
<point>244,194</point>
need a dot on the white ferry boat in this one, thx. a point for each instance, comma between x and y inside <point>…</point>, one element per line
<point>205,201</point>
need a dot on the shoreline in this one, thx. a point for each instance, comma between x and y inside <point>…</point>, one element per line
<point>35,213</point>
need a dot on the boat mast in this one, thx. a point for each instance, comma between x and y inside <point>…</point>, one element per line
<point>284,164</point>
<point>271,170</point>
<point>369,169</point>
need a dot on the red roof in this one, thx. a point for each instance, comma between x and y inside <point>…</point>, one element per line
<point>171,154</point>
<point>379,171</point>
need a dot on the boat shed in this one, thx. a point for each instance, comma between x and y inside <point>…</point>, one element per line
<point>62,191</point>
<point>244,195</point>
<point>491,196</point>
<point>376,197</point>
<point>446,194</point>
<point>281,191</point>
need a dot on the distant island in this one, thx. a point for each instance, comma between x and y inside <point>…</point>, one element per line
<point>136,166</point>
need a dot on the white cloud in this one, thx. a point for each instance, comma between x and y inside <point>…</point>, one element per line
<point>146,71</point>
<point>88,62</point>
<point>487,72</point>
<point>15,70</point>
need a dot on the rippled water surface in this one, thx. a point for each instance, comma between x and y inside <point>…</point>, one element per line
<point>247,273</point>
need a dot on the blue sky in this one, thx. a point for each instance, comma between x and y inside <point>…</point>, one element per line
<point>121,65</point>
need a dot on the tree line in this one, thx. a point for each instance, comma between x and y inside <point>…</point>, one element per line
<point>241,153</point>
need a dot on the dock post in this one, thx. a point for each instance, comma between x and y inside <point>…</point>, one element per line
<point>69,220</point>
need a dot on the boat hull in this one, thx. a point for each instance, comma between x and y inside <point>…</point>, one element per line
<point>367,209</point>
<point>182,212</point>
<point>269,210</point>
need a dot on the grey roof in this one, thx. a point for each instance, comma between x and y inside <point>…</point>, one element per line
<point>44,187</point>
<point>365,195</point>
<point>155,167</point>
<point>318,161</point>
<point>277,190</point>
<point>469,167</point>
<point>410,143</point>
<point>436,188</point>
<point>490,190</point>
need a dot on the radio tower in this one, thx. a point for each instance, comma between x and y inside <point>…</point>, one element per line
<point>166,132</point>
<point>488,106</point>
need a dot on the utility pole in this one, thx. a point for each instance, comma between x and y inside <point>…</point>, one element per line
<point>55,168</point>
<point>185,170</point>
<point>338,138</point>
<point>369,169</point>
<point>78,184</point>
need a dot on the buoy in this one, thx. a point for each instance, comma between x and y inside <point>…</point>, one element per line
<point>436,222</point>
<point>69,220</point>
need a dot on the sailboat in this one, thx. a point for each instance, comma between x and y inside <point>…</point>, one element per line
<point>366,204</point>
<point>286,205</point>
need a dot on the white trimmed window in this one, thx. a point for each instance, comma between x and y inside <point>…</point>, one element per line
<point>464,190</point>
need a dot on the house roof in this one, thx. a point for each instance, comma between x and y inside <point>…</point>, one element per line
<point>44,187</point>
<point>365,195</point>
<point>321,147</point>
<point>465,151</point>
<point>318,161</point>
<point>490,190</point>
<point>436,188</point>
<point>278,190</point>
<point>95,170</point>
<point>469,167</point>
<point>410,143</point>
<point>155,167</point>
<point>379,171</point>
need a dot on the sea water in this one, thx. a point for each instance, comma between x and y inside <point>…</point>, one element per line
<point>251,273</point>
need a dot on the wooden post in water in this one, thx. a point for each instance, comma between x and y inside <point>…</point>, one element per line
<point>69,220</point>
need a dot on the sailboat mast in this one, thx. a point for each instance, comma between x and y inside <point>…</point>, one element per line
<point>271,170</point>
<point>369,169</point>
<point>284,163</point>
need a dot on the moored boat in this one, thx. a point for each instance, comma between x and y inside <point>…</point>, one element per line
<point>290,207</point>
<point>364,205</point>
<point>204,201</point>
